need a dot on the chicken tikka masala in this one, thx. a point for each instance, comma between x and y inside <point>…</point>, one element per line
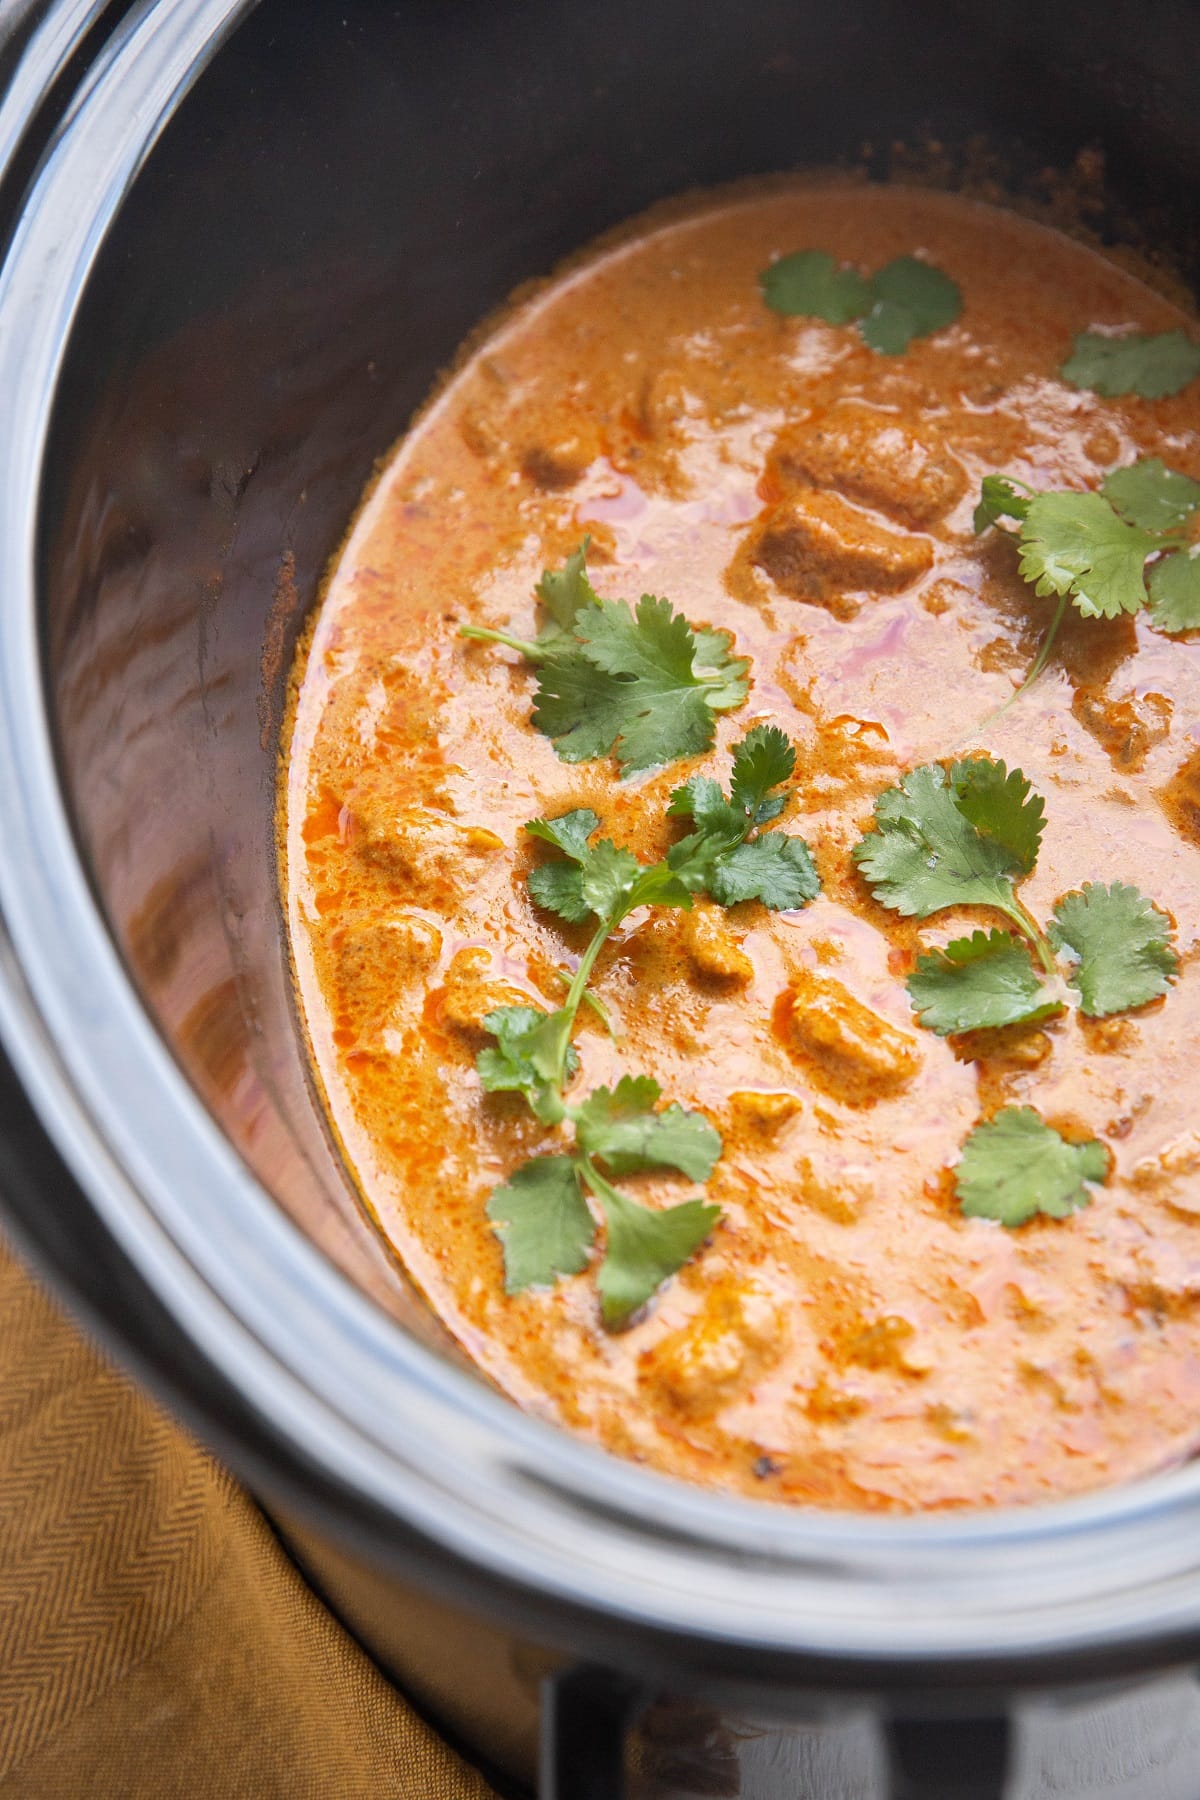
<point>742,845</point>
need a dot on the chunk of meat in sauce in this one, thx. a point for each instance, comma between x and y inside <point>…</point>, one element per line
<point>866,456</point>
<point>737,1334</point>
<point>818,547</point>
<point>851,1050</point>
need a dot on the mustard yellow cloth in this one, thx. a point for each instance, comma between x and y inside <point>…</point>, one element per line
<point>156,1642</point>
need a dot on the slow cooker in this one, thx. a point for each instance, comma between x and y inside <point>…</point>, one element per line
<point>241,240</point>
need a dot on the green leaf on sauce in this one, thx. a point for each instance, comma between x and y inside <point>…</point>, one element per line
<point>909,299</point>
<point>998,499</point>
<point>1017,1166</point>
<point>721,856</point>
<point>1077,545</point>
<point>1120,946</point>
<point>543,1222</point>
<point>644,1247</point>
<point>809,284</point>
<point>1152,496</point>
<point>906,299</point>
<point>1151,364</point>
<point>978,983</point>
<point>565,592</point>
<point>763,760</point>
<point>642,685</point>
<point>632,683</point>
<point>929,851</point>
<point>1175,592</point>
<point>621,1127</point>
<point>776,869</point>
<point>525,1059</point>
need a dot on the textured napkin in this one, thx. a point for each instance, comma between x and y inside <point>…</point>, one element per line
<point>156,1641</point>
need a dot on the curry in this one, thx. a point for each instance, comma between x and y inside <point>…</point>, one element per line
<point>844,1333</point>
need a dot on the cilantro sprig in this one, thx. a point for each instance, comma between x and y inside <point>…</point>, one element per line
<point>906,299</point>
<point>729,855</point>
<point>1153,364</point>
<point>1091,549</point>
<point>541,1212</point>
<point>1016,1166</point>
<point>966,836</point>
<point>636,682</point>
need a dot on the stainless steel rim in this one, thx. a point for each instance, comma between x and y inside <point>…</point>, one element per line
<point>419,1441</point>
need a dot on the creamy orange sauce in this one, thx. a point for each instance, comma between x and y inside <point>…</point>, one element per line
<point>847,1338</point>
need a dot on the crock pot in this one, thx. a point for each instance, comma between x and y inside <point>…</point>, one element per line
<point>242,240</point>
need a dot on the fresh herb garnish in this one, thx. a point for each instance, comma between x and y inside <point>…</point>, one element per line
<point>1091,549</point>
<point>541,1212</point>
<point>640,683</point>
<point>1017,1166</point>
<point>978,983</point>
<point>965,837</point>
<point>1152,364</point>
<point>906,299</point>
<point>1119,945</point>
<point>721,856</point>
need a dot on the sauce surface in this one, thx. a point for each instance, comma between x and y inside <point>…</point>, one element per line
<point>847,1338</point>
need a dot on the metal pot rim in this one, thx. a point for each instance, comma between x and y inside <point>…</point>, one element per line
<point>401,1446</point>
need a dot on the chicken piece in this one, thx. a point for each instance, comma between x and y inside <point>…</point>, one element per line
<point>763,1110</point>
<point>1127,729</point>
<point>1180,799</point>
<point>712,947</point>
<point>415,847</point>
<point>375,962</point>
<point>867,456</point>
<point>469,996</point>
<point>559,462</point>
<point>840,1196</point>
<point>884,1343</point>
<point>1174,1173</point>
<point>735,1336</point>
<point>849,1049</point>
<point>819,548</point>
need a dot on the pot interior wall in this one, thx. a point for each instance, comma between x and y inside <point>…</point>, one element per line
<point>343,195</point>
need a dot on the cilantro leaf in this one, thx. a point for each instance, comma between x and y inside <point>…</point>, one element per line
<point>1077,545</point>
<point>927,853</point>
<point>763,760</point>
<point>907,298</point>
<point>569,832</point>
<point>644,1248</point>
<point>725,676</point>
<point>809,284</point>
<point>620,1126</point>
<point>530,1047</point>
<point>703,799</point>
<point>1152,364</point>
<point>543,1222</point>
<point>1002,806</point>
<point>582,710</point>
<point>1152,496</point>
<point>599,879</point>
<point>557,886</point>
<point>630,684</point>
<point>978,983</point>
<point>721,855</point>
<point>998,499</point>
<point>1175,592</point>
<point>1017,1166</point>
<point>910,298</point>
<point>776,869</point>
<point>1120,943</point>
<point>565,592</point>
